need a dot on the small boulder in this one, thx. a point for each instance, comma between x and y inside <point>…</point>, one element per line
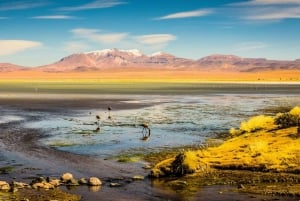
<point>83,181</point>
<point>38,180</point>
<point>20,185</point>
<point>138,177</point>
<point>4,186</point>
<point>66,177</point>
<point>94,181</point>
<point>73,182</point>
<point>113,184</point>
<point>55,182</point>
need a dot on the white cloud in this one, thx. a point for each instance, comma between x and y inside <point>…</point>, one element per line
<point>95,5</point>
<point>22,4</point>
<point>97,36</point>
<point>9,47</point>
<point>155,39</point>
<point>249,46</point>
<point>53,17</point>
<point>274,13</point>
<point>269,10</point>
<point>187,14</point>
<point>269,2</point>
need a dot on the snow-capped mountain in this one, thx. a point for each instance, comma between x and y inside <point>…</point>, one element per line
<point>115,58</point>
<point>134,59</point>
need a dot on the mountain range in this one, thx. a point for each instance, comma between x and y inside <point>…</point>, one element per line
<point>115,59</point>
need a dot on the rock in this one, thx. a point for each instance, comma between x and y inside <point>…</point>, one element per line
<point>73,182</point>
<point>83,181</point>
<point>55,182</point>
<point>66,177</point>
<point>138,177</point>
<point>4,186</point>
<point>147,166</point>
<point>44,185</point>
<point>38,180</point>
<point>115,184</point>
<point>94,181</point>
<point>20,185</point>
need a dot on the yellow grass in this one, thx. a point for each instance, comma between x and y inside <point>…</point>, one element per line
<point>257,123</point>
<point>295,111</point>
<point>265,151</point>
<point>268,149</point>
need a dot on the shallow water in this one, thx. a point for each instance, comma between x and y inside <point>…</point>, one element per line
<point>174,121</point>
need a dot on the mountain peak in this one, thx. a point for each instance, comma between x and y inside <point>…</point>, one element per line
<point>105,52</point>
<point>159,54</point>
<point>221,56</point>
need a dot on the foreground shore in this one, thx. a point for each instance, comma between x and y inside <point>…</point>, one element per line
<point>24,158</point>
<point>262,157</point>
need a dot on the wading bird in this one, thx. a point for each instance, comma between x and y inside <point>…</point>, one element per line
<point>109,109</point>
<point>98,120</point>
<point>146,131</point>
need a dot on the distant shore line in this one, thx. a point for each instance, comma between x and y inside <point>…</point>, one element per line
<point>88,88</point>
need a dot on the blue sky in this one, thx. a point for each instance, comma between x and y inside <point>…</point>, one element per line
<point>38,32</point>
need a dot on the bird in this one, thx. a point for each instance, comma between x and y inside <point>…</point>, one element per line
<point>109,109</point>
<point>97,130</point>
<point>98,120</point>
<point>146,131</point>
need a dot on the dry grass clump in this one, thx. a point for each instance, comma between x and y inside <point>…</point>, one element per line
<point>262,122</point>
<point>288,119</point>
<point>255,123</point>
<point>295,111</point>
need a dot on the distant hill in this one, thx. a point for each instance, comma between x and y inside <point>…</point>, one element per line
<point>115,59</point>
<point>238,64</point>
<point>7,67</point>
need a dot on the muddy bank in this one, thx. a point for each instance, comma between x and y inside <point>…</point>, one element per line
<point>23,157</point>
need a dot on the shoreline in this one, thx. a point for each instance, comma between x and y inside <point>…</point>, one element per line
<point>92,90</point>
<point>261,157</point>
<point>30,158</point>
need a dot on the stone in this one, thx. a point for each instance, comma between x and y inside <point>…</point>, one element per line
<point>73,182</point>
<point>55,182</point>
<point>94,181</point>
<point>113,184</point>
<point>66,177</point>
<point>38,180</point>
<point>147,166</point>
<point>4,186</point>
<point>43,185</point>
<point>138,177</point>
<point>83,181</point>
<point>20,185</point>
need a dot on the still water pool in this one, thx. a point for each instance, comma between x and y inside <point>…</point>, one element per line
<point>174,121</point>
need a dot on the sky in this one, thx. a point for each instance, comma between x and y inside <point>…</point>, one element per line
<point>40,32</point>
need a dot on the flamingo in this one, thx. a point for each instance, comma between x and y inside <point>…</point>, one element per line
<point>98,120</point>
<point>109,109</point>
<point>144,131</point>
